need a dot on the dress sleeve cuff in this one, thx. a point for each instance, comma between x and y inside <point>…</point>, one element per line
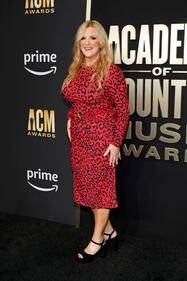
<point>116,143</point>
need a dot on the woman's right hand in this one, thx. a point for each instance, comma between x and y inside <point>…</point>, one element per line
<point>68,129</point>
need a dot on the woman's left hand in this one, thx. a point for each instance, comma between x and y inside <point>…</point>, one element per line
<point>114,153</point>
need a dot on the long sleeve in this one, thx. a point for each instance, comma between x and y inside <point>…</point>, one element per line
<point>118,92</point>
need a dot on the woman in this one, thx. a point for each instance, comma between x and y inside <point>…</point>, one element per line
<point>96,126</point>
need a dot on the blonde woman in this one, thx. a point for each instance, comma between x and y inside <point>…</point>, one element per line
<point>96,125</point>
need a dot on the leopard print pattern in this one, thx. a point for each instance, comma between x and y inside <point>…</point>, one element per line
<point>97,120</point>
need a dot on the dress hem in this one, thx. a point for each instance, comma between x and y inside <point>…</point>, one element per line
<point>96,207</point>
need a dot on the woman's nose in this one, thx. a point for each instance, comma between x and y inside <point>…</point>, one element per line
<point>87,40</point>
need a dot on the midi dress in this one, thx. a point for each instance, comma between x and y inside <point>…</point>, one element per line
<point>98,118</point>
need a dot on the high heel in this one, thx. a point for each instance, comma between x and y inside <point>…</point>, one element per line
<point>113,243</point>
<point>87,258</point>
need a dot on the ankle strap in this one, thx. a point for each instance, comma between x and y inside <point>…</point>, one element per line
<point>97,242</point>
<point>110,234</point>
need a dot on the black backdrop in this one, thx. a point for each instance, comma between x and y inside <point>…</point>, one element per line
<point>36,174</point>
<point>35,152</point>
<point>151,185</point>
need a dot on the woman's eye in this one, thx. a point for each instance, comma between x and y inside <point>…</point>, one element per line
<point>89,38</point>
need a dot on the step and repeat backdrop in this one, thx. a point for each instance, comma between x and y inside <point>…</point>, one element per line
<point>37,40</point>
<point>149,42</point>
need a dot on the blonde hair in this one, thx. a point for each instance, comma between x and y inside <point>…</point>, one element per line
<point>104,61</point>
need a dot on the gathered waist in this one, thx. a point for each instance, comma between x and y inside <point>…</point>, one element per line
<point>90,113</point>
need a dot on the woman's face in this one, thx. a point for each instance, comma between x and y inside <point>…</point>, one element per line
<point>90,45</point>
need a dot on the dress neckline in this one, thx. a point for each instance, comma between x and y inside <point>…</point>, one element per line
<point>89,67</point>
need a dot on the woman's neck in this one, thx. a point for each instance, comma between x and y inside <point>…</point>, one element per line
<point>90,62</point>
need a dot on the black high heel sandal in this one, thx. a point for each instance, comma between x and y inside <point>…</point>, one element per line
<point>113,243</point>
<point>86,258</point>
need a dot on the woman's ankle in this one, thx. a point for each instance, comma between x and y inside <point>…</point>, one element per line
<point>98,238</point>
<point>108,230</point>
<point>112,233</point>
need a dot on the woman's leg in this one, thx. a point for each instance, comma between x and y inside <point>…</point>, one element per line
<point>101,217</point>
<point>108,229</point>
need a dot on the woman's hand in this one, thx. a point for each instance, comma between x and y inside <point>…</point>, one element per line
<point>68,129</point>
<point>114,153</point>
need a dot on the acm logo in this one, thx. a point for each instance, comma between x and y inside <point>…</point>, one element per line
<point>41,123</point>
<point>33,7</point>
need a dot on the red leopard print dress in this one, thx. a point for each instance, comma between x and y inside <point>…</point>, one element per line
<point>97,120</point>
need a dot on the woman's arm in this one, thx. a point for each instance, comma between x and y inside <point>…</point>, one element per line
<point>118,91</point>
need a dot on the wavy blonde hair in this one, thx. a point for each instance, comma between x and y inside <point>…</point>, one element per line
<point>104,61</point>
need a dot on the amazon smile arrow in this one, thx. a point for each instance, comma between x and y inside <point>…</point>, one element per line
<point>41,73</point>
<point>54,187</point>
